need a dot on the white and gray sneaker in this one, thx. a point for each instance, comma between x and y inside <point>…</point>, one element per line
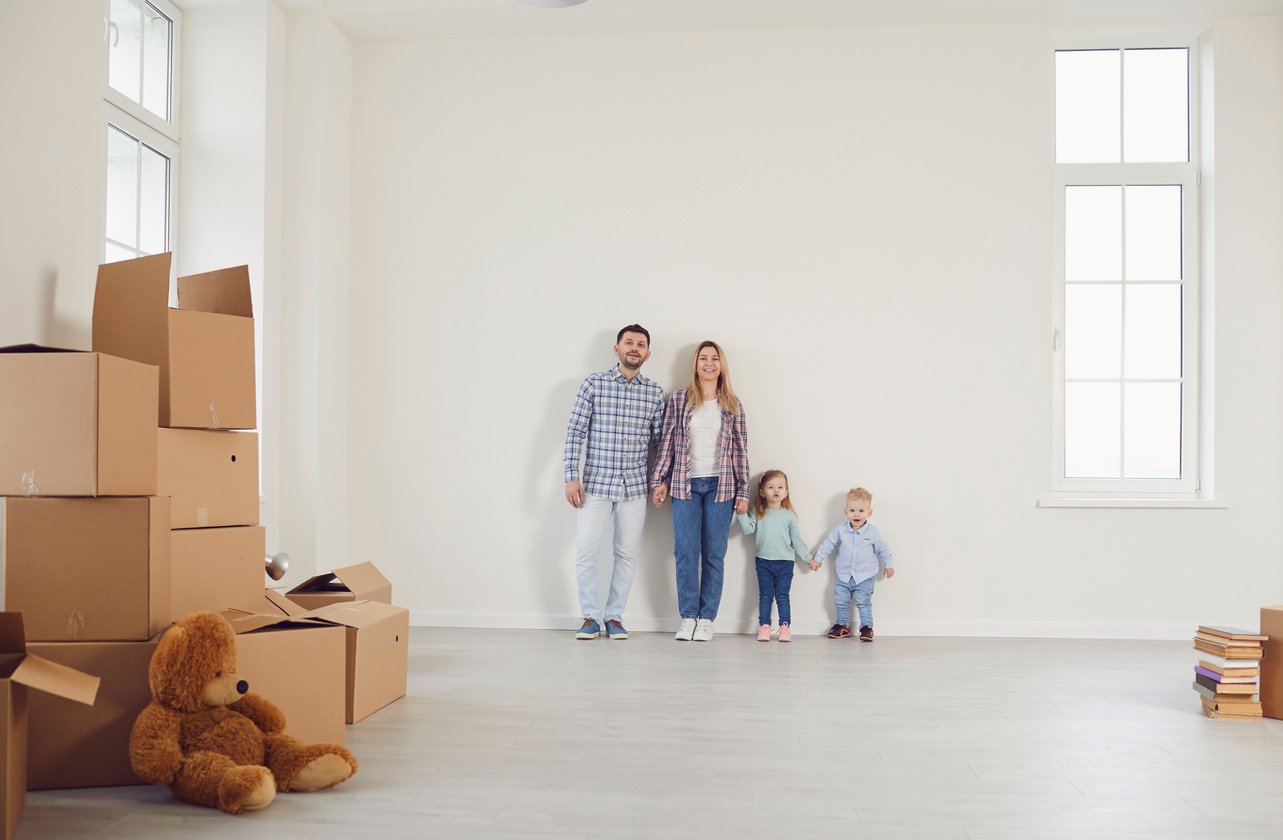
<point>686,631</point>
<point>703,630</point>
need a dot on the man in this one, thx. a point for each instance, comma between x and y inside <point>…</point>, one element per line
<point>618,412</point>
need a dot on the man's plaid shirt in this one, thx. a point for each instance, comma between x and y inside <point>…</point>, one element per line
<point>619,419</point>
<point>673,460</point>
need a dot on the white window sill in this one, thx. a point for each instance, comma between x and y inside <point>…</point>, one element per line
<point>1214,504</point>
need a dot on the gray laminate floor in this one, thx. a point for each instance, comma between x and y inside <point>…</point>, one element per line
<point>511,734</point>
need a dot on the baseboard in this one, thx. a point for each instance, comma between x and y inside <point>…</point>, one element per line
<point>961,629</point>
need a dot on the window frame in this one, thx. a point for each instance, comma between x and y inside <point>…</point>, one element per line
<point>1186,175</point>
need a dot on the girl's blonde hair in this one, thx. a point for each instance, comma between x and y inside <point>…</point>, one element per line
<point>859,493</point>
<point>759,504</point>
<point>725,395</point>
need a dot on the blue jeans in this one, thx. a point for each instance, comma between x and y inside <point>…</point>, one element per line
<point>774,580</point>
<point>700,527</point>
<point>862,592</point>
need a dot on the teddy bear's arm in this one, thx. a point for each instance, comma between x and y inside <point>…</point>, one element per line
<point>262,711</point>
<point>154,750</point>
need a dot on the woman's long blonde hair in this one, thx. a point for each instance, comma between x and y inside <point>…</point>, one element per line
<point>725,394</point>
<point>759,504</point>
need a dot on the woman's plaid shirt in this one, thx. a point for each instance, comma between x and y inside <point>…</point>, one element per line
<point>673,461</point>
<point>620,419</point>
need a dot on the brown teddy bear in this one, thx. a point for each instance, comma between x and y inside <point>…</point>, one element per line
<point>209,739</point>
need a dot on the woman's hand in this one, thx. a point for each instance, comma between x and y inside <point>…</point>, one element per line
<point>741,506</point>
<point>658,495</point>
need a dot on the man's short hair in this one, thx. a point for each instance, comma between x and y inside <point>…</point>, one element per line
<point>637,328</point>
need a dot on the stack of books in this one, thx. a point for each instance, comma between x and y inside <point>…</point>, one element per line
<point>1228,669</point>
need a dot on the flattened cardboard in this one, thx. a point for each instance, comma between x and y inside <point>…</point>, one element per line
<point>360,582</point>
<point>1271,686</point>
<point>76,424</point>
<point>87,569</point>
<point>74,746</point>
<point>211,477</point>
<point>204,349</point>
<point>378,637</point>
<point>216,569</point>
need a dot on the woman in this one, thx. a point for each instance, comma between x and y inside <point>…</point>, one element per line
<point>703,455</point>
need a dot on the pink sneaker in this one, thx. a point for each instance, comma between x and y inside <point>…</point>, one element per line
<point>786,635</point>
<point>764,633</point>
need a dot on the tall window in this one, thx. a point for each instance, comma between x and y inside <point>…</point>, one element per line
<point>142,127</point>
<point>1126,342</point>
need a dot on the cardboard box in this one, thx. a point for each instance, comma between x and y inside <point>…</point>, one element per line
<point>211,478</point>
<point>361,582</point>
<point>216,569</point>
<point>75,746</point>
<point>1271,685</point>
<point>20,670</point>
<point>378,637</point>
<point>204,349</point>
<point>87,569</point>
<point>76,424</point>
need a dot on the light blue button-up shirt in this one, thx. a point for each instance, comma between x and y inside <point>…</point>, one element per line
<point>858,551</point>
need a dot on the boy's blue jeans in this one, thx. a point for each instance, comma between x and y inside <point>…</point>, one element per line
<point>862,592</point>
<point>700,528</point>
<point>774,580</point>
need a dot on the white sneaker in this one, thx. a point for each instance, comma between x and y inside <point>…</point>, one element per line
<point>703,630</point>
<point>686,631</point>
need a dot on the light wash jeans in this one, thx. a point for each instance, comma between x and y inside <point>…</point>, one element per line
<point>700,529</point>
<point>862,592</point>
<point>628,518</point>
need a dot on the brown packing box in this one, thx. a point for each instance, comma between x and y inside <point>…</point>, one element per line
<point>76,424</point>
<point>1272,665</point>
<point>20,670</point>
<point>210,477</point>
<point>204,349</point>
<point>216,569</point>
<point>378,637</point>
<point>73,746</point>
<point>351,583</point>
<point>87,569</point>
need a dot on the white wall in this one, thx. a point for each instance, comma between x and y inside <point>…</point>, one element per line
<point>862,218</point>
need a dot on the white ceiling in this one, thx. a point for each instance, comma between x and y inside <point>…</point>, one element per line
<point>378,20</point>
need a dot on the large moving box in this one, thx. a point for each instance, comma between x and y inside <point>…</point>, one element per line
<point>1271,686</point>
<point>204,349</point>
<point>360,582</point>
<point>21,669</point>
<point>210,477</point>
<point>299,667</point>
<point>378,637</point>
<point>76,424</point>
<point>216,569</point>
<point>87,569</point>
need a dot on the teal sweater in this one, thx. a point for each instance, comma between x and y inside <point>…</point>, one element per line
<point>778,534</point>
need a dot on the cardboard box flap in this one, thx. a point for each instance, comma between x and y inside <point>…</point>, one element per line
<point>13,638</point>
<point>360,579</point>
<point>277,599</point>
<point>243,622</point>
<point>58,680</point>
<point>131,310</point>
<point>223,292</point>
<point>356,614</point>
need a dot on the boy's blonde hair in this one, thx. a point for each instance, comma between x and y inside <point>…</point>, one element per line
<point>725,396</point>
<point>859,493</point>
<point>759,504</point>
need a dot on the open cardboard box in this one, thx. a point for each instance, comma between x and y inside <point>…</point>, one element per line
<point>76,424</point>
<point>1271,680</point>
<point>378,639</point>
<point>21,670</point>
<point>211,478</point>
<point>361,582</point>
<point>204,348</point>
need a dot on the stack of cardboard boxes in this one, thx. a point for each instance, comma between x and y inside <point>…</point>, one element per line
<point>129,478</point>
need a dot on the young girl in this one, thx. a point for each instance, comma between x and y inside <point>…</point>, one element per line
<point>778,540</point>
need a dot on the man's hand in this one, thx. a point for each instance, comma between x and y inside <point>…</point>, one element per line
<point>658,495</point>
<point>574,493</point>
<point>741,506</point>
<point>813,566</point>
<point>890,572</point>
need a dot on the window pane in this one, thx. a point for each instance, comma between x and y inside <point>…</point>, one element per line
<point>1155,106</point>
<point>156,59</point>
<point>122,187</point>
<point>1093,234</point>
<point>124,46</point>
<point>1153,233</point>
<point>1092,433</point>
<point>1093,331</point>
<point>153,195</point>
<point>115,253</point>
<point>1154,331</point>
<point>1087,106</point>
<point>1153,430</point>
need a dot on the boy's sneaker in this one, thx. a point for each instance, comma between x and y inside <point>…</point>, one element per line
<point>686,631</point>
<point>590,629</point>
<point>839,631</point>
<point>703,630</point>
<point>866,633</point>
<point>786,635</point>
<point>615,629</point>
<point>764,633</point>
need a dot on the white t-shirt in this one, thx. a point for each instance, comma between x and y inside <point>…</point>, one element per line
<point>706,427</point>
